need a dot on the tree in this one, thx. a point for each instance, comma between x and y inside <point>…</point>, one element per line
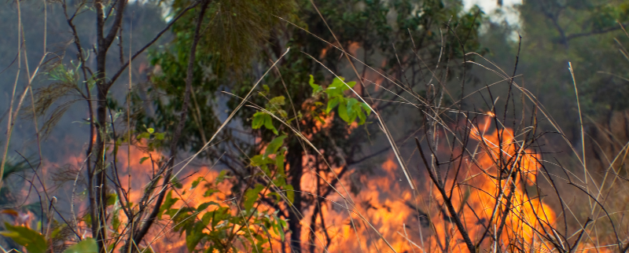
<point>586,33</point>
<point>362,29</point>
<point>92,83</point>
<point>324,31</point>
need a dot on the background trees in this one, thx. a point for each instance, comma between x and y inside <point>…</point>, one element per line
<point>586,33</point>
<point>191,96</point>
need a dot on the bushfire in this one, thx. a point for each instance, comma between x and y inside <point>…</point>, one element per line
<point>385,215</point>
<point>389,217</point>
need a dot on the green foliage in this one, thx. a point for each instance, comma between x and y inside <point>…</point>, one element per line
<point>220,225</point>
<point>274,157</point>
<point>274,106</point>
<point>215,225</point>
<point>263,119</point>
<point>555,32</point>
<point>85,246</point>
<point>254,20</point>
<point>349,108</point>
<point>152,139</point>
<point>170,82</point>
<point>32,240</point>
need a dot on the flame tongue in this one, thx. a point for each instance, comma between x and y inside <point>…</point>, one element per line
<point>498,172</point>
<point>422,224</point>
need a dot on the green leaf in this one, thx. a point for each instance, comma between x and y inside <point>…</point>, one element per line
<point>351,84</point>
<point>277,101</point>
<point>176,183</point>
<point>251,196</point>
<point>279,182</point>
<point>343,112</point>
<point>361,116</point>
<point>168,203</point>
<point>160,136</point>
<point>338,83</point>
<point>87,218</point>
<point>316,89</point>
<point>290,193</point>
<point>333,91</point>
<point>333,103</point>
<point>207,217</point>
<point>337,87</point>
<point>144,136</point>
<point>85,246</point>
<point>33,241</point>
<point>265,168</point>
<point>366,108</point>
<point>221,176</point>
<point>282,113</point>
<point>268,123</point>
<point>112,199</point>
<point>115,221</point>
<point>280,229</point>
<point>150,130</point>
<point>143,159</point>
<point>283,222</point>
<point>258,120</point>
<point>205,205</point>
<point>351,109</point>
<point>258,160</point>
<point>279,164</point>
<point>274,145</point>
<point>110,248</point>
<point>210,192</point>
<point>276,195</point>
<point>196,182</point>
<point>274,226</point>
<point>194,236</point>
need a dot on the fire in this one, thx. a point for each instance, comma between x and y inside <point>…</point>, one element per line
<point>134,179</point>
<point>137,177</point>
<point>419,222</point>
<point>384,215</point>
<point>352,49</point>
<point>481,188</point>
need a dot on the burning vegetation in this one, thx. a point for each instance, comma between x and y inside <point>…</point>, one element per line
<point>396,158</point>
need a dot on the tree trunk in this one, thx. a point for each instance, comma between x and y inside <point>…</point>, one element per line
<point>100,169</point>
<point>296,170</point>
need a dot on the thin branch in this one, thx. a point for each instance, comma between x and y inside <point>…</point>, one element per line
<point>124,66</point>
<point>447,201</point>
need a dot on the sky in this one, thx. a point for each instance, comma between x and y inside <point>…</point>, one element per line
<point>509,13</point>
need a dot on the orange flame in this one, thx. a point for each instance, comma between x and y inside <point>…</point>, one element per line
<point>384,215</point>
<point>420,223</point>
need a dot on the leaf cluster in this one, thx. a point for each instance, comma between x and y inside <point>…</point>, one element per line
<point>216,226</point>
<point>349,107</point>
<point>34,242</point>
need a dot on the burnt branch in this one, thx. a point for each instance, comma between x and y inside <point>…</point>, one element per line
<point>447,201</point>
